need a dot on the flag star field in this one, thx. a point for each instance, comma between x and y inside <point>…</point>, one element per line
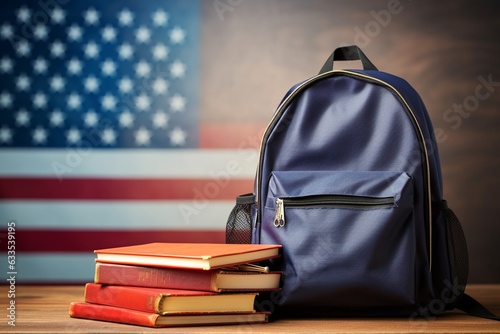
<point>125,76</point>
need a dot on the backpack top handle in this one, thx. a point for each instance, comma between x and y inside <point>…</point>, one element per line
<point>351,52</point>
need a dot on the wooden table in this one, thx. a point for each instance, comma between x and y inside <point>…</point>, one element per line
<point>45,309</point>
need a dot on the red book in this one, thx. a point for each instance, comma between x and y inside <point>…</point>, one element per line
<point>134,317</point>
<point>168,301</point>
<point>188,255</point>
<point>186,279</point>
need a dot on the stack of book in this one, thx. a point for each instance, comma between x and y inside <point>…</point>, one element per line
<point>178,284</point>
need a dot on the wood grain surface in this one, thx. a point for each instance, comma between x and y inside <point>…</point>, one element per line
<point>44,309</point>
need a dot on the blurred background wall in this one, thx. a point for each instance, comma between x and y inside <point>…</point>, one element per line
<point>158,131</point>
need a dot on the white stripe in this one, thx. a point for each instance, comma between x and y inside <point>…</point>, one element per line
<point>51,268</point>
<point>117,214</point>
<point>128,163</point>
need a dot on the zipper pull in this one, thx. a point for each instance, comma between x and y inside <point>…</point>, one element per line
<point>279,217</point>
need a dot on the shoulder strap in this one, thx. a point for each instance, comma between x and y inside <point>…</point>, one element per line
<point>473,307</point>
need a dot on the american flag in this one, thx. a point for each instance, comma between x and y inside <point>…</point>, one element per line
<point>100,133</point>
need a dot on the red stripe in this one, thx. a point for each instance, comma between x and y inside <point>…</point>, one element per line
<point>123,189</point>
<point>33,240</point>
<point>231,135</point>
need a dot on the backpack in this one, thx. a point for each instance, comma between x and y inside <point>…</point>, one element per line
<point>349,182</point>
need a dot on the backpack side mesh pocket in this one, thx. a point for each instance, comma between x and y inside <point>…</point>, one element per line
<point>239,222</point>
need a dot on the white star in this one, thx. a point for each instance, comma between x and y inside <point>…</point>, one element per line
<point>177,103</point>
<point>6,31</point>
<point>40,32</point>
<point>39,100</point>
<point>23,48</point>
<point>108,136</point>
<point>91,119</point>
<point>177,69</point>
<point>91,49</point>
<point>56,118</point>
<point>91,16</point>
<point>177,35</point>
<point>142,69</point>
<point>160,119</point>
<point>6,65</point>
<point>160,86</point>
<point>74,66</point>
<point>91,84</point>
<point>125,17</point>
<point>22,118</point>
<point>108,102</point>
<point>108,34</point>
<point>58,15</point>
<point>178,137</point>
<point>75,33</point>
<point>74,101</point>
<point>73,136</point>
<point>5,135</point>
<point>160,51</point>
<point>39,135</point>
<point>126,119</point>
<point>23,14</point>
<point>125,51</point>
<point>5,100</point>
<point>160,18</point>
<point>57,83</point>
<point>57,49</point>
<point>108,67</point>
<point>142,137</point>
<point>142,102</point>
<point>142,35</point>
<point>23,82</point>
<point>40,66</point>
<point>125,85</point>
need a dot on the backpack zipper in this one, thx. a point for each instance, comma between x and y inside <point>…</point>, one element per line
<point>340,201</point>
<point>411,114</point>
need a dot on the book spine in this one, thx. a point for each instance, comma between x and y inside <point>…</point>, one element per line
<point>152,277</point>
<point>112,314</point>
<point>120,296</point>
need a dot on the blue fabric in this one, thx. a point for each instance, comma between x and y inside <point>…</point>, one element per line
<point>349,134</point>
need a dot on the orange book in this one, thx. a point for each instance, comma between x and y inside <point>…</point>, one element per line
<point>217,280</point>
<point>168,301</point>
<point>140,318</point>
<point>188,255</point>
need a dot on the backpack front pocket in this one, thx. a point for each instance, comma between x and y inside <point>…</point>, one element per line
<point>348,238</point>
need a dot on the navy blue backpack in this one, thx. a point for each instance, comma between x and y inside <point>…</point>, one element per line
<point>349,182</point>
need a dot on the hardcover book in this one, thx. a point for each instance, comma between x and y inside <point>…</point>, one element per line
<point>188,255</point>
<point>217,280</point>
<point>140,318</point>
<point>168,301</point>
